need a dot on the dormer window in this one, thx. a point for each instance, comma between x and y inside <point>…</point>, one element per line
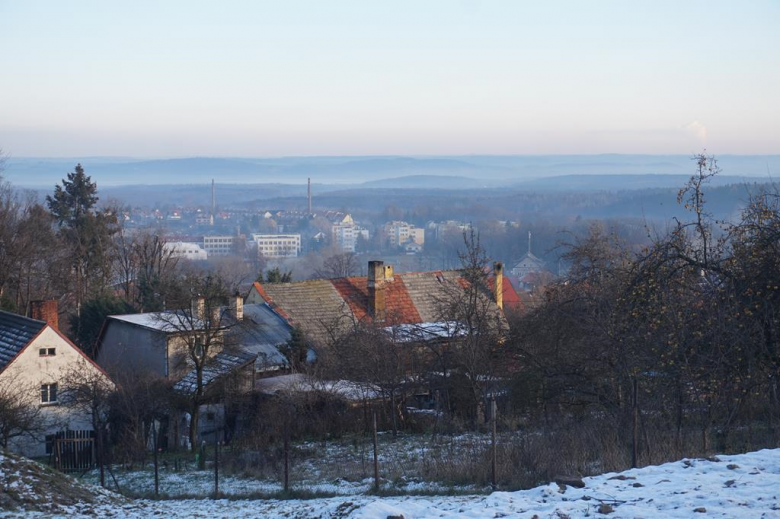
<point>47,352</point>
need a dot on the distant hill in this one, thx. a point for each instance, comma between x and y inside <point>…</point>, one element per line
<point>433,182</point>
<point>622,182</point>
<point>465,172</point>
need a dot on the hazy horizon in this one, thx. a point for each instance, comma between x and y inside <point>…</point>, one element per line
<point>350,78</point>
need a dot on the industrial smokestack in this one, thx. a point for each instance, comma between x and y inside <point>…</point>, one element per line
<point>309,195</point>
<point>213,204</point>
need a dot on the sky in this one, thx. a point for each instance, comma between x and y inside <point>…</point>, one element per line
<point>295,78</point>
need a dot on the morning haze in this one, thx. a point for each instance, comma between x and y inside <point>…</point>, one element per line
<point>387,260</point>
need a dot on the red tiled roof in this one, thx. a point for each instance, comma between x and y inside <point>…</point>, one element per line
<point>400,307</point>
<point>323,307</point>
<point>511,297</point>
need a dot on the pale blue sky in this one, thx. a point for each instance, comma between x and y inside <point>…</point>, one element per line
<point>232,78</point>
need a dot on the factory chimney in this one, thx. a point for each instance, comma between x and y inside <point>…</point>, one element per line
<point>309,195</point>
<point>213,204</point>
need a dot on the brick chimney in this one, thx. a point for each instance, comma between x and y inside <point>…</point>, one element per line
<point>377,305</point>
<point>47,311</point>
<point>198,308</point>
<point>237,307</point>
<point>498,283</point>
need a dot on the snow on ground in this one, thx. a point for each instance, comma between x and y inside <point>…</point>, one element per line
<point>741,486</point>
<point>341,467</point>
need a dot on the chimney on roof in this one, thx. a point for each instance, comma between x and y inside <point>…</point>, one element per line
<point>47,311</point>
<point>237,307</point>
<point>498,283</point>
<point>377,305</point>
<point>198,307</point>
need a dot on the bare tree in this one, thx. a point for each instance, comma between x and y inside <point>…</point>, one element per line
<point>87,389</point>
<point>338,266</point>
<point>200,334</point>
<point>20,415</point>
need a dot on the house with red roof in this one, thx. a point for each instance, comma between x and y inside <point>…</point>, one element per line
<point>327,308</point>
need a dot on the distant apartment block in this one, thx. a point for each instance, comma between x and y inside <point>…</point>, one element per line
<point>278,245</point>
<point>220,245</point>
<point>345,234</point>
<point>188,250</point>
<point>399,234</point>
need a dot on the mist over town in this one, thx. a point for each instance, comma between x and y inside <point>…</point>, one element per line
<point>353,260</point>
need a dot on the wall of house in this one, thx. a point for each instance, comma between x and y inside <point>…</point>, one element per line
<point>127,346</point>
<point>30,370</point>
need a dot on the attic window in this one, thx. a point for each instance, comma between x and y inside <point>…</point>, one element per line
<point>47,352</point>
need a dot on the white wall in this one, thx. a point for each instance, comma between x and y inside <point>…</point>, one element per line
<point>30,370</point>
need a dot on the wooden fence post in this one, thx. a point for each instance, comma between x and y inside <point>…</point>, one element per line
<point>376,457</point>
<point>494,464</point>
<point>156,462</point>
<point>216,463</point>
<point>635,426</point>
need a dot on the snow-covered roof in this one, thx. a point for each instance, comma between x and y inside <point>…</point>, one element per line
<point>421,332</point>
<point>168,322</point>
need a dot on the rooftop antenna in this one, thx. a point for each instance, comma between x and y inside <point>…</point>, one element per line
<point>309,195</point>
<point>213,204</point>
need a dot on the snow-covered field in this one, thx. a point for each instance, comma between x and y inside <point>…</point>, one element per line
<point>741,486</point>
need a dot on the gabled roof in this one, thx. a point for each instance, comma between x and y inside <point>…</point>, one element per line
<point>327,307</point>
<point>16,332</point>
<point>223,363</point>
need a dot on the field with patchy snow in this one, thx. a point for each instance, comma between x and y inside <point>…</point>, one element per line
<point>740,486</point>
<point>408,464</point>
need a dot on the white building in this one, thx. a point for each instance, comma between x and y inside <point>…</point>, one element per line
<point>346,232</point>
<point>399,234</point>
<point>38,369</point>
<point>278,245</point>
<point>220,245</point>
<point>185,249</point>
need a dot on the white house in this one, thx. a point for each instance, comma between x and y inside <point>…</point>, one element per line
<point>188,250</point>
<point>36,361</point>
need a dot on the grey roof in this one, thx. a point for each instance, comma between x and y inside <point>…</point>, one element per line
<point>221,364</point>
<point>16,332</point>
<point>260,333</point>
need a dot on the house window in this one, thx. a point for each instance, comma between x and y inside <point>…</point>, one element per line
<point>48,393</point>
<point>47,352</point>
